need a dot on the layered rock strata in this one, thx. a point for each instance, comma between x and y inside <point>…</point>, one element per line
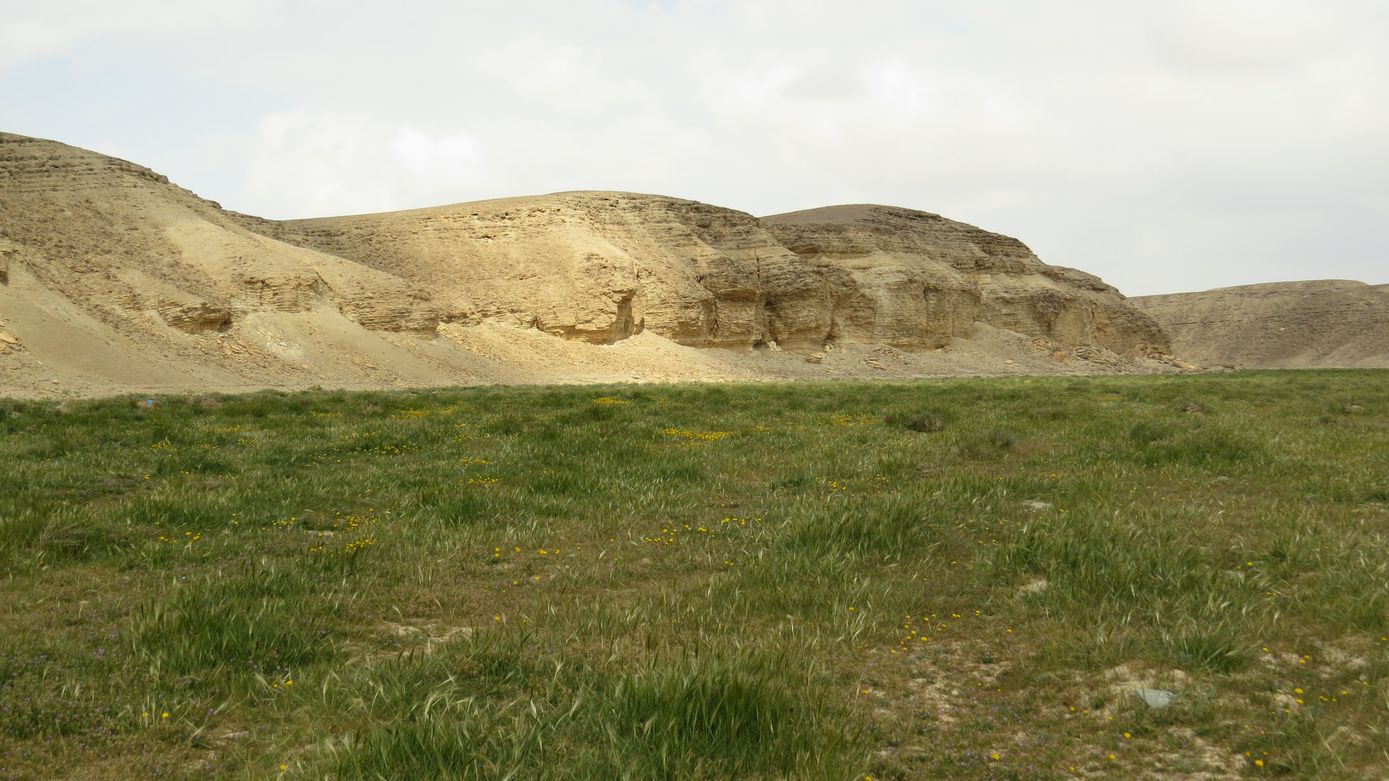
<point>108,271</point>
<point>602,266</point>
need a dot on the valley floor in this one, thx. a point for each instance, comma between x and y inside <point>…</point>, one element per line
<point>964,578</point>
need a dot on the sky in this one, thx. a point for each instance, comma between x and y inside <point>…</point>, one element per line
<point>1165,145</point>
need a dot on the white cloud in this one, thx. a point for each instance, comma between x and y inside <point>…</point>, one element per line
<point>315,162</point>
<point>52,27</point>
<point>453,158</point>
<point>1181,144</point>
<point>1240,35</point>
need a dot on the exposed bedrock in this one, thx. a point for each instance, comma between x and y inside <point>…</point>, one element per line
<point>140,254</point>
<point>921,279</point>
<point>602,266</point>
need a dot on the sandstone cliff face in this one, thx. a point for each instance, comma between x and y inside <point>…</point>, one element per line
<point>592,266</point>
<point>1318,324</point>
<point>111,274</point>
<point>920,279</point>
<point>602,266</point>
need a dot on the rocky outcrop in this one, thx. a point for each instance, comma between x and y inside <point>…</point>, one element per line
<point>7,251</point>
<point>597,267</point>
<point>109,272</point>
<point>1327,323</point>
<point>919,279</point>
<point>178,309</point>
<point>8,341</point>
<point>603,266</point>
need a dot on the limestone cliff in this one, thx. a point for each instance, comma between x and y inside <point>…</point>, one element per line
<point>601,266</point>
<point>918,279</point>
<point>113,278</point>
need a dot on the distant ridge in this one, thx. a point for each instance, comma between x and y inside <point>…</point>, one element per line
<point>1313,324</point>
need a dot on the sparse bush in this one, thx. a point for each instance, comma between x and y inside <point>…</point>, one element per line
<point>32,707</point>
<point>1003,439</point>
<point>1195,444</point>
<point>742,717</point>
<point>261,622</point>
<point>893,530</point>
<point>1210,648</point>
<point>1146,432</point>
<point>53,537</point>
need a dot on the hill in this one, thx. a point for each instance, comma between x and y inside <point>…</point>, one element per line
<point>114,279</point>
<point>1319,324</point>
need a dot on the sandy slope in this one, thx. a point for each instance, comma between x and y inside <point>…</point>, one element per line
<point>1316,324</point>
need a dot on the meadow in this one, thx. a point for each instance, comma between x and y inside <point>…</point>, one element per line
<point>953,579</point>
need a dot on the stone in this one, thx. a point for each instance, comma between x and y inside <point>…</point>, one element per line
<point>1155,698</point>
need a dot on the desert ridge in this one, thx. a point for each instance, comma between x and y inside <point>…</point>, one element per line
<point>1282,325</point>
<point>113,280</point>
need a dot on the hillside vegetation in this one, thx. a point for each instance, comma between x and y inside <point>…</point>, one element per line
<point>966,579</point>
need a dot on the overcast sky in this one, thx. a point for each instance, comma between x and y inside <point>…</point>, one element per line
<point>1165,145</point>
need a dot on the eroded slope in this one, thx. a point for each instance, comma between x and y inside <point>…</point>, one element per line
<point>602,266</point>
<point>1318,324</point>
<point>920,278</point>
<point>114,279</point>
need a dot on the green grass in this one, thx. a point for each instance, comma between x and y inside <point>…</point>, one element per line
<point>946,579</point>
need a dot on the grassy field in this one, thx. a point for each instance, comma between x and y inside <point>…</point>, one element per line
<point>962,579</point>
